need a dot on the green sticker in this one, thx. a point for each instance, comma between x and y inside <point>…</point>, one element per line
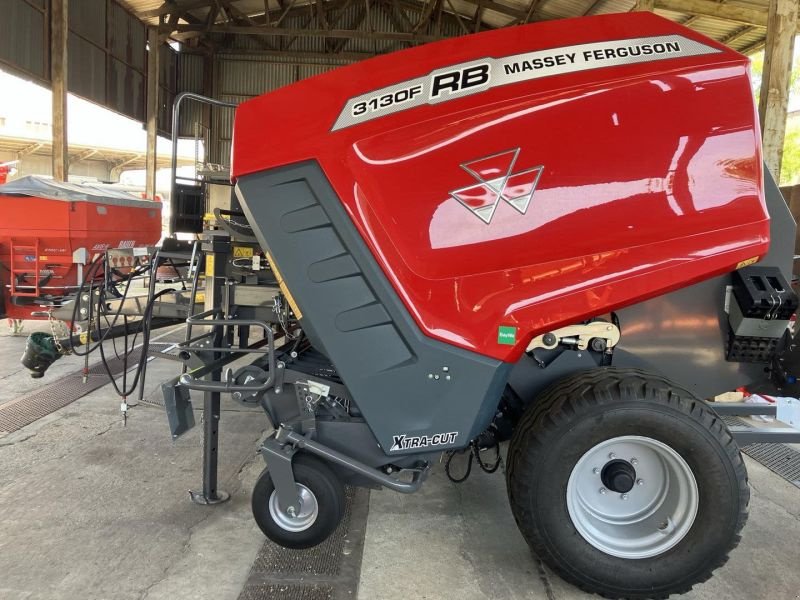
<point>507,335</point>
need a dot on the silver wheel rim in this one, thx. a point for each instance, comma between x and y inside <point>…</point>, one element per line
<point>304,518</point>
<point>646,521</point>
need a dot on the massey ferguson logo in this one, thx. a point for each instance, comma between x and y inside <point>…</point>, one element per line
<point>405,442</point>
<point>497,181</point>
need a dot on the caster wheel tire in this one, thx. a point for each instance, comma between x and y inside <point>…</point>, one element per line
<point>322,503</point>
<point>626,485</point>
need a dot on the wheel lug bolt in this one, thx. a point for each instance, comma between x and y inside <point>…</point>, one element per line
<point>602,490</point>
<point>640,482</point>
<point>634,462</point>
<point>612,456</point>
<point>596,471</point>
<point>624,496</point>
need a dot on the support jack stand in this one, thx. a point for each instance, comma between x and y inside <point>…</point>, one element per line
<point>211,414</point>
<point>201,498</point>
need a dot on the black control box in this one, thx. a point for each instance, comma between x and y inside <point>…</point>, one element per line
<point>764,293</point>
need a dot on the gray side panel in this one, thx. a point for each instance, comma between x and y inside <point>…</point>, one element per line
<point>397,376</point>
<point>682,335</point>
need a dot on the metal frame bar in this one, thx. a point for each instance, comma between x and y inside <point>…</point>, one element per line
<point>284,436</point>
<point>176,110</point>
<point>191,381</point>
<point>752,435</point>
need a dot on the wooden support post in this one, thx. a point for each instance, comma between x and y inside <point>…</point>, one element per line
<point>775,83</point>
<point>152,111</point>
<point>646,5</point>
<point>58,78</point>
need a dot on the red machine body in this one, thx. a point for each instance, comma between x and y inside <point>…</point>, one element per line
<point>560,181</point>
<point>39,235</point>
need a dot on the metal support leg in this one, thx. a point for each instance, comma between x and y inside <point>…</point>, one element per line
<point>215,279</point>
<point>211,414</point>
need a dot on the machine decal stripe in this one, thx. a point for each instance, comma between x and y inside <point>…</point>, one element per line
<point>483,74</point>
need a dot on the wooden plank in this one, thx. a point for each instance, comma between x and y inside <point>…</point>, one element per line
<point>151,159</point>
<point>172,7</point>
<point>711,8</point>
<point>776,80</point>
<point>646,5</point>
<point>58,77</point>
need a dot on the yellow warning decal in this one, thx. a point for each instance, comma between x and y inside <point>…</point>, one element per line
<point>284,288</point>
<point>209,265</point>
<point>84,338</point>
<point>242,252</point>
<point>748,262</point>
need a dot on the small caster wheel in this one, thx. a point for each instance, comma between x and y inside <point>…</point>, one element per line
<point>321,505</point>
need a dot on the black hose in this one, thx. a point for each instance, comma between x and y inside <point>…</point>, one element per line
<point>144,329</point>
<point>90,274</point>
<point>486,441</point>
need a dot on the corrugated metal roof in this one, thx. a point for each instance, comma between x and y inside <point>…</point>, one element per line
<point>494,16</point>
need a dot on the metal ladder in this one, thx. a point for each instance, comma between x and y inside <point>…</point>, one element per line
<point>19,252</point>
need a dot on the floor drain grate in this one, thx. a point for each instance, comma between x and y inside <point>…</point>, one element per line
<point>329,571</point>
<point>778,458</point>
<point>287,592</point>
<point>22,411</point>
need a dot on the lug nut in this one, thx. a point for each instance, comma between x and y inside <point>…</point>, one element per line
<point>624,496</point>
<point>291,512</point>
<point>596,471</point>
<point>640,482</point>
<point>602,490</point>
<point>612,456</point>
<point>634,462</point>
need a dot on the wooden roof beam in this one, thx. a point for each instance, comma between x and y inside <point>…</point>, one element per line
<point>310,32</point>
<point>711,8</point>
<point>776,80</point>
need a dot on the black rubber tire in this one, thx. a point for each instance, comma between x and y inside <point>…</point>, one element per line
<point>328,491</point>
<point>574,415</point>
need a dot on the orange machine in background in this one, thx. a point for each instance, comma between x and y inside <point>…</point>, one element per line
<point>49,230</point>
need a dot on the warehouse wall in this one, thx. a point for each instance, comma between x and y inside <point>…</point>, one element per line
<point>106,50</point>
<point>239,76</point>
<point>108,59</point>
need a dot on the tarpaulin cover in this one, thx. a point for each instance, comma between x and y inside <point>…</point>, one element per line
<point>42,187</point>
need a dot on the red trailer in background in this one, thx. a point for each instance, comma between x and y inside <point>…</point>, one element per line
<point>5,171</point>
<point>50,230</point>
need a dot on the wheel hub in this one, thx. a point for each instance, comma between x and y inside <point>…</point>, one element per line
<point>619,476</point>
<point>632,497</point>
<point>295,520</point>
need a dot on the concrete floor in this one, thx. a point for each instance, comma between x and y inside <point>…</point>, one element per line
<point>90,509</point>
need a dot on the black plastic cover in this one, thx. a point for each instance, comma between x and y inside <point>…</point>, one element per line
<point>763,293</point>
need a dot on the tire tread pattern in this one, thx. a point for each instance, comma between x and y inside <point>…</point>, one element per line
<point>594,388</point>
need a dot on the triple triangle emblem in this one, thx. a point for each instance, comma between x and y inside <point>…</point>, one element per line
<point>497,181</point>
